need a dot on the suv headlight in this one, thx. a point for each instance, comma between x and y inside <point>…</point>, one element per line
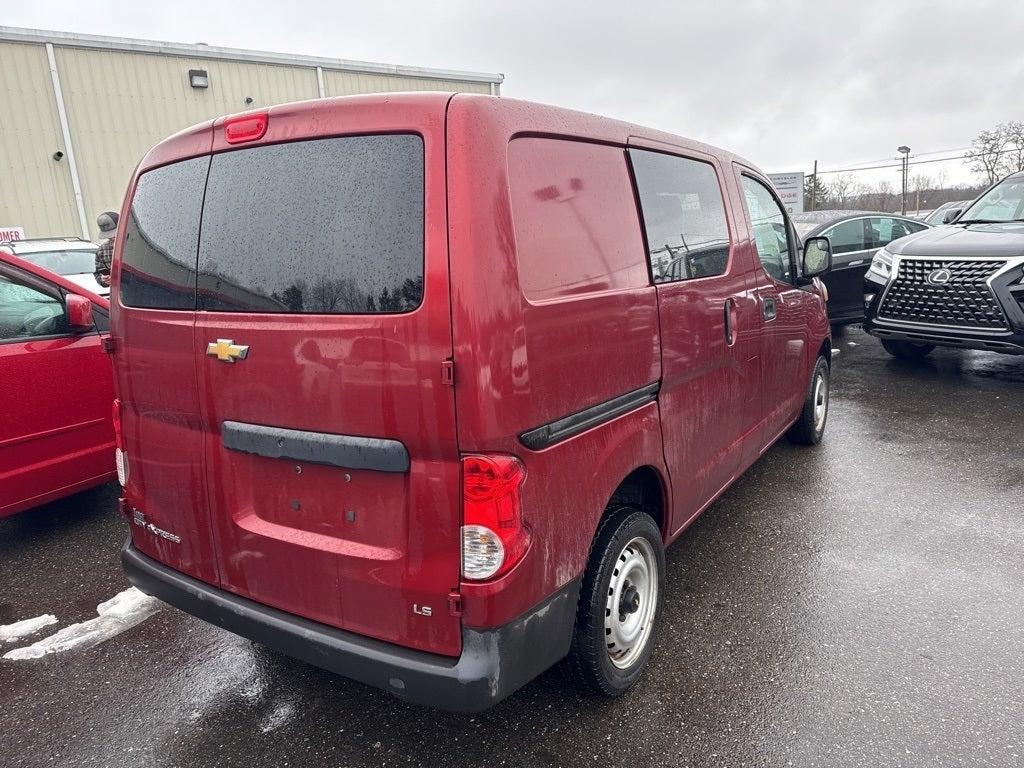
<point>881,265</point>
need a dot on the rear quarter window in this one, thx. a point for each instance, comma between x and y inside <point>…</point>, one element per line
<point>322,226</point>
<point>158,258</point>
<point>575,219</point>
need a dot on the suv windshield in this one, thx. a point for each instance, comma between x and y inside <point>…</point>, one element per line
<point>1004,202</point>
<point>77,262</point>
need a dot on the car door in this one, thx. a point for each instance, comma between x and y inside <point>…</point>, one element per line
<point>709,387</point>
<point>56,389</point>
<point>784,308</point>
<point>851,257</point>
<point>323,327</point>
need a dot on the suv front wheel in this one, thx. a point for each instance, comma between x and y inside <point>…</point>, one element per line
<point>907,350</point>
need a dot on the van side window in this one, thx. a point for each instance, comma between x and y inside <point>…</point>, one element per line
<point>771,233</point>
<point>326,226</point>
<point>158,260</point>
<point>574,214</point>
<point>683,212</point>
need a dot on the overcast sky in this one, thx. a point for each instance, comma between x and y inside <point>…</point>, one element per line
<point>781,82</point>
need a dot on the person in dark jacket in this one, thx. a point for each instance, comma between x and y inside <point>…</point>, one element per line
<point>107,222</point>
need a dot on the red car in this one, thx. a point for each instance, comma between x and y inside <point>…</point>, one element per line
<point>418,387</point>
<point>56,383</point>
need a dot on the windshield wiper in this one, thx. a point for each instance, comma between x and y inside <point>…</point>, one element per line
<point>984,221</point>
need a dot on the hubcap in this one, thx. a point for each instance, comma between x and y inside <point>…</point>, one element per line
<point>820,400</point>
<point>632,601</point>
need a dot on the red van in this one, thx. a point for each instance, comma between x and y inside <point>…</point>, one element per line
<point>417,388</point>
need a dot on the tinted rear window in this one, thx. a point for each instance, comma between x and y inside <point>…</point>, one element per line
<point>323,226</point>
<point>158,261</point>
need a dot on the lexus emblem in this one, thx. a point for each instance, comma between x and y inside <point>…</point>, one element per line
<point>939,277</point>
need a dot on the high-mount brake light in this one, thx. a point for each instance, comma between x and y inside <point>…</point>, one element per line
<point>494,537</point>
<point>242,129</point>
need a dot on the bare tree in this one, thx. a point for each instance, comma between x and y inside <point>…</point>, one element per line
<point>941,177</point>
<point>841,189</point>
<point>987,156</point>
<point>1014,131</point>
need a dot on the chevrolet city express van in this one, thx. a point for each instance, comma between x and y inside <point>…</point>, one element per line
<point>417,388</point>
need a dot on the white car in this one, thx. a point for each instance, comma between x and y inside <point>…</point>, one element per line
<point>70,257</point>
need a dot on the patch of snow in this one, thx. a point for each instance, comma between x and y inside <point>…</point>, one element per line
<point>121,612</point>
<point>26,627</point>
<point>282,715</point>
<point>836,351</point>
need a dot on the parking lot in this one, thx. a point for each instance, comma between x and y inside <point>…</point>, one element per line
<point>856,604</point>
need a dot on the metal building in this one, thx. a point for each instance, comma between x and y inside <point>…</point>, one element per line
<point>77,112</point>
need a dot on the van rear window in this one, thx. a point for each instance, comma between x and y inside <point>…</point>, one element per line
<point>322,226</point>
<point>158,259</point>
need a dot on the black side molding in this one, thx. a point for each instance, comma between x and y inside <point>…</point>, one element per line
<point>568,426</point>
<point>348,451</point>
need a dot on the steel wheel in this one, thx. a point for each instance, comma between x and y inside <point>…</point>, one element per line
<point>632,603</point>
<point>820,399</point>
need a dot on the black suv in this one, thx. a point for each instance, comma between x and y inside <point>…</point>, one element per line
<point>960,285</point>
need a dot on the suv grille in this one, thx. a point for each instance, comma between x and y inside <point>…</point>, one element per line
<point>964,300</point>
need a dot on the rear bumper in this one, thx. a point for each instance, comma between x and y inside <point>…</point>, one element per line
<point>494,662</point>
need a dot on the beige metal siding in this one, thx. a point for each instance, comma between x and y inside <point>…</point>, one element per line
<point>339,83</point>
<point>36,192</point>
<point>120,104</point>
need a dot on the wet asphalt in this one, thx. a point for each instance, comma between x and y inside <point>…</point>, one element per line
<point>860,603</point>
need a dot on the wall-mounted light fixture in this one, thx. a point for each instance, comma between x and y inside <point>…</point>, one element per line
<point>198,78</point>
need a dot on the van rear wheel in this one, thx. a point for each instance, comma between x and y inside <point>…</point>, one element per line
<point>620,602</point>
<point>907,350</point>
<point>809,428</point>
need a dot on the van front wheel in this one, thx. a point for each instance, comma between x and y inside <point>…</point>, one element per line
<point>620,602</point>
<point>808,429</point>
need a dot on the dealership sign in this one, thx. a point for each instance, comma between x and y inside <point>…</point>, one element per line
<point>790,187</point>
<point>11,233</point>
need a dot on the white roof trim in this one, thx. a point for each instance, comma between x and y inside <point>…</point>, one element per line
<point>201,50</point>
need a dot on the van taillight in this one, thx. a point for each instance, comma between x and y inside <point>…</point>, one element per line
<point>494,537</point>
<point>120,460</point>
<point>247,128</point>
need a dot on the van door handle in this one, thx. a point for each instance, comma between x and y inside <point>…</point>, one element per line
<point>768,307</point>
<point>730,321</point>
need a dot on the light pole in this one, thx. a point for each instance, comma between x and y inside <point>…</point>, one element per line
<point>904,150</point>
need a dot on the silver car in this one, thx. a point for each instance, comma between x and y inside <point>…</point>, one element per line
<point>70,257</point>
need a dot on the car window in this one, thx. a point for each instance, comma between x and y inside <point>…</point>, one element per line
<point>683,214</point>
<point>771,236</point>
<point>883,230</point>
<point>26,312</point>
<point>158,260</point>
<point>846,236</point>
<point>574,212</point>
<point>77,262</point>
<point>321,226</point>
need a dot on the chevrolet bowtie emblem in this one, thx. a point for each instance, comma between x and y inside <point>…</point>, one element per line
<point>227,351</point>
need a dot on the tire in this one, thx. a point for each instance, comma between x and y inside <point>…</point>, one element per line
<point>907,350</point>
<point>809,428</point>
<point>627,549</point>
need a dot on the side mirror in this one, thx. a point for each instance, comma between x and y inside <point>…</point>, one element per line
<point>950,216</point>
<point>79,311</point>
<point>817,257</point>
